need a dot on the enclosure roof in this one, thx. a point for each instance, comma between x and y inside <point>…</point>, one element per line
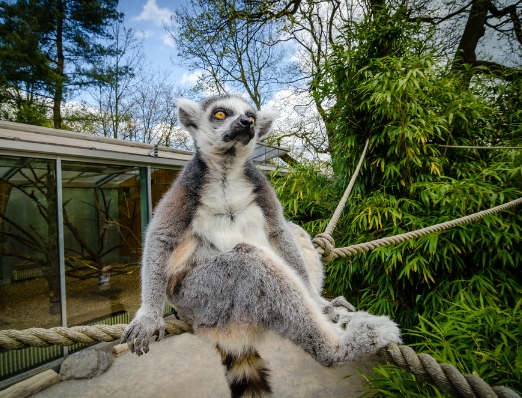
<point>42,141</point>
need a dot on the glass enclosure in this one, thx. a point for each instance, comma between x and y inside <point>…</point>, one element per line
<point>102,241</point>
<point>29,257</point>
<point>102,208</point>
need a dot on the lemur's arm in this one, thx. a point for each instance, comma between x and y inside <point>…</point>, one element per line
<point>165,233</point>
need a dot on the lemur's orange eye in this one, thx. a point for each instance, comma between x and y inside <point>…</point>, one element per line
<point>253,120</point>
<point>220,115</point>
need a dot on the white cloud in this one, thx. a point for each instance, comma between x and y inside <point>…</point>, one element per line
<point>144,34</point>
<point>167,40</point>
<point>191,78</point>
<point>151,12</point>
<point>206,88</point>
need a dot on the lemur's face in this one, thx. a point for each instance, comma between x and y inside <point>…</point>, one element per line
<point>224,124</point>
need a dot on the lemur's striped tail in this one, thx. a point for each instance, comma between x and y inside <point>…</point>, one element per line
<point>247,374</point>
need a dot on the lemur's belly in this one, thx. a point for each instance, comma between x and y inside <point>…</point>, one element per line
<point>226,219</point>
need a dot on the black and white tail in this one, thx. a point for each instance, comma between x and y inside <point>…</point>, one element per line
<point>247,374</point>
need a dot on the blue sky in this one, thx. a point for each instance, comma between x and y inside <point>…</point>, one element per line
<point>146,18</point>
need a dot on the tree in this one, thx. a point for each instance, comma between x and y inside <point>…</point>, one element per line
<point>233,54</point>
<point>483,15</point>
<point>204,37</point>
<point>24,106</point>
<point>25,71</point>
<point>63,41</point>
<point>393,89</point>
<point>115,75</point>
<point>151,112</point>
<point>315,26</point>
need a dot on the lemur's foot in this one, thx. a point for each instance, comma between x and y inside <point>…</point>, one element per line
<point>365,334</point>
<point>339,310</point>
<point>138,333</point>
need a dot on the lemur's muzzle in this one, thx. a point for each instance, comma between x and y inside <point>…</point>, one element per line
<point>241,130</point>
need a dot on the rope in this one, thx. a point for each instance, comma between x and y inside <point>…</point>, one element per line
<point>335,217</point>
<point>39,337</point>
<point>444,376</point>
<point>325,245</point>
<point>479,147</point>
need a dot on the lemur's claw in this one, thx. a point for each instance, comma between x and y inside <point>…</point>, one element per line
<point>341,302</point>
<point>139,332</point>
<point>338,309</point>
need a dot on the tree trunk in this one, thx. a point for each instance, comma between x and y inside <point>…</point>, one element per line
<point>473,32</point>
<point>52,270</point>
<point>58,91</point>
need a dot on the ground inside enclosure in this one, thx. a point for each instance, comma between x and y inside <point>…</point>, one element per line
<point>186,366</point>
<point>26,304</point>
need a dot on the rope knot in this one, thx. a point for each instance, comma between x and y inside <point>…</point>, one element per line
<point>325,245</point>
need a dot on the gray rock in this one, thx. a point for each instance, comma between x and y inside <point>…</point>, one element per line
<point>85,364</point>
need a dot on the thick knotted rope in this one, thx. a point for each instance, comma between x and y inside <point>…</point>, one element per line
<point>39,337</point>
<point>444,376</point>
<point>480,147</point>
<point>325,245</point>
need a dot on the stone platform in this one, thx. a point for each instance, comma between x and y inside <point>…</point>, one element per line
<point>189,367</point>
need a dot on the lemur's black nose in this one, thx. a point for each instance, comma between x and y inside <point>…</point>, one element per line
<point>245,121</point>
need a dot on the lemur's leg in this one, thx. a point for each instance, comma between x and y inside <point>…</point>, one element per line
<point>337,309</point>
<point>256,289</point>
<point>311,258</point>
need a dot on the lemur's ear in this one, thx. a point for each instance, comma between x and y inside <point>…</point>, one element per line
<point>264,120</point>
<point>189,114</point>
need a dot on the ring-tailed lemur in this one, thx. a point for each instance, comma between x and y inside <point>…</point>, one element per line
<point>219,248</point>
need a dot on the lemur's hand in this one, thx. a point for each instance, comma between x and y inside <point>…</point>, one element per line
<point>364,334</point>
<point>138,333</point>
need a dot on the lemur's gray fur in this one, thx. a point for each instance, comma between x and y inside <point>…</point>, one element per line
<point>220,250</point>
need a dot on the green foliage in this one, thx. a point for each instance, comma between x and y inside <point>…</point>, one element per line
<point>459,284</point>
<point>476,337</point>
<point>25,111</point>
<point>390,381</point>
<point>306,194</point>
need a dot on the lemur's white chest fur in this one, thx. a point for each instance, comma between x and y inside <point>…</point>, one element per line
<point>228,213</point>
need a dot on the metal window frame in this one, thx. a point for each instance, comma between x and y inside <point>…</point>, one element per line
<point>145,199</point>
<point>61,244</point>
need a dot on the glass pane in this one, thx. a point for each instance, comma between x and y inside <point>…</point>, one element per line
<point>102,239</point>
<point>29,268</point>
<point>161,181</point>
